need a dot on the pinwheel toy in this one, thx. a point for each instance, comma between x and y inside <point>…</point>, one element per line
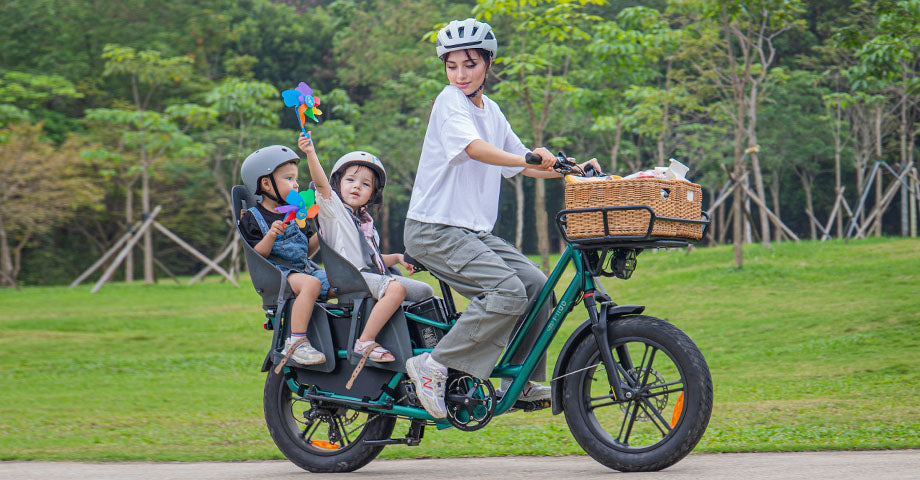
<point>304,101</point>
<point>301,206</point>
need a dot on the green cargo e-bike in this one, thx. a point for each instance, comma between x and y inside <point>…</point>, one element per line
<point>636,391</point>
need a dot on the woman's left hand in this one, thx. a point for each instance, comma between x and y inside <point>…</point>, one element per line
<point>593,162</point>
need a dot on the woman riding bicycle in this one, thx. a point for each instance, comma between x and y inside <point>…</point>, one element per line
<point>469,146</point>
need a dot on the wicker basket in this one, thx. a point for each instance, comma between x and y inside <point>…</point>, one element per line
<point>667,198</point>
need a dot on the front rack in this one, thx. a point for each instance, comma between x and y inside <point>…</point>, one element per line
<point>615,255</point>
<point>628,241</point>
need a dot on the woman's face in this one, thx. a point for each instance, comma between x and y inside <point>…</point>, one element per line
<point>466,70</point>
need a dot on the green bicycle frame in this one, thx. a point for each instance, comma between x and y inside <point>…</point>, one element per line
<point>582,283</point>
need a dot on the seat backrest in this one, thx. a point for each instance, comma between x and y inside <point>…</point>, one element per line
<point>343,276</point>
<point>266,277</point>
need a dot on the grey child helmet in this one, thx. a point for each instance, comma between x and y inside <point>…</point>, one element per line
<point>465,34</point>
<point>263,162</point>
<point>364,159</point>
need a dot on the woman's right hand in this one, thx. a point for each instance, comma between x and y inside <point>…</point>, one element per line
<point>548,159</point>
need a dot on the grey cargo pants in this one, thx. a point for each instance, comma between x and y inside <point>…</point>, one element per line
<point>501,284</point>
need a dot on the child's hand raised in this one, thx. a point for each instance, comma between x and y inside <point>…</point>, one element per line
<point>305,142</point>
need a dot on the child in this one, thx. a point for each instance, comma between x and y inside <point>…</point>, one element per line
<point>272,173</point>
<point>357,180</point>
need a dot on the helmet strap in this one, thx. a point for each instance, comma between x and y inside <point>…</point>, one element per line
<point>478,90</point>
<point>277,197</point>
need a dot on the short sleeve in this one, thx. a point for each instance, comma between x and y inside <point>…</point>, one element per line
<point>513,145</point>
<point>456,129</point>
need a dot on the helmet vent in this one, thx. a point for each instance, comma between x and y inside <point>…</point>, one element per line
<point>460,32</point>
<point>489,36</point>
<point>449,35</point>
<point>474,30</point>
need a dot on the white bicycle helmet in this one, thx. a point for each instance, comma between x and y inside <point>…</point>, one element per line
<point>360,158</point>
<point>464,34</point>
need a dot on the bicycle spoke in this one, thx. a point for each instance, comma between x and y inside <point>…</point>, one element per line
<point>344,432</point>
<point>632,421</point>
<point>315,427</point>
<point>646,403</point>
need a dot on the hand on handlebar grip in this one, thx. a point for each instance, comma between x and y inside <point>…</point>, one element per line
<point>542,157</point>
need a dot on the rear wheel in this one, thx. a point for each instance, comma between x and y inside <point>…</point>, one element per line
<point>321,436</point>
<point>671,396</point>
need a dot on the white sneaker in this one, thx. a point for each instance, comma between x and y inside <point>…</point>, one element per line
<point>532,392</point>
<point>429,384</point>
<point>304,354</point>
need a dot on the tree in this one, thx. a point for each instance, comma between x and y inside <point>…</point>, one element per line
<point>888,58</point>
<point>146,70</point>
<point>40,186</point>
<point>732,49</point>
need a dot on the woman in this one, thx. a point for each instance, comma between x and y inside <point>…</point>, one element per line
<point>469,146</point>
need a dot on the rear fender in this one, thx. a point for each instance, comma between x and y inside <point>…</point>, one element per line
<point>614,312</point>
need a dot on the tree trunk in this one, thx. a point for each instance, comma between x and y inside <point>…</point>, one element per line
<point>6,260</point>
<point>809,205</point>
<point>774,192</point>
<point>518,182</point>
<point>129,218</point>
<point>878,158</point>
<point>615,151</point>
<point>539,207</point>
<point>837,148</point>
<point>905,126</point>
<point>755,167</point>
<point>148,235</point>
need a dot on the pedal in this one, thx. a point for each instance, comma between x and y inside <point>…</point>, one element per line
<point>531,406</point>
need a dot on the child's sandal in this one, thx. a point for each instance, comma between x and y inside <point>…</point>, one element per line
<point>378,354</point>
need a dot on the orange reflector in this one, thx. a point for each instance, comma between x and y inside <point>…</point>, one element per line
<point>324,444</point>
<point>678,409</point>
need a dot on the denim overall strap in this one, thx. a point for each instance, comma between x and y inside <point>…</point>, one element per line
<point>290,251</point>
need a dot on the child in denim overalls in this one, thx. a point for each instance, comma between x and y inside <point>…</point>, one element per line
<point>272,173</point>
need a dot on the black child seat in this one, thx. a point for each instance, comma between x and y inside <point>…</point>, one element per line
<point>334,325</point>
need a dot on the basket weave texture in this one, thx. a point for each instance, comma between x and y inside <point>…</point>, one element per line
<point>667,198</point>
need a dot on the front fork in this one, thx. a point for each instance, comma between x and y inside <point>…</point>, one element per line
<point>620,389</point>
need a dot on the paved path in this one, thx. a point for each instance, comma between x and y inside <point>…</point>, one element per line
<point>872,465</point>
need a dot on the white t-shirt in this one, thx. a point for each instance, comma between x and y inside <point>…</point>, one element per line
<point>338,229</point>
<point>450,187</point>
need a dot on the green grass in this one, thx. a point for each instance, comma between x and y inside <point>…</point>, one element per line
<point>811,346</point>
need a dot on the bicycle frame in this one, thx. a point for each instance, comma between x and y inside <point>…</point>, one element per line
<point>581,284</point>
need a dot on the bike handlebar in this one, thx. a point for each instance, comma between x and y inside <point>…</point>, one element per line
<point>564,165</point>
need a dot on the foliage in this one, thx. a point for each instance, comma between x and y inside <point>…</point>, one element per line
<point>40,186</point>
<point>183,91</point>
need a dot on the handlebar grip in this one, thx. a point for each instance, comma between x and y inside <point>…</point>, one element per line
<point>532,158</point>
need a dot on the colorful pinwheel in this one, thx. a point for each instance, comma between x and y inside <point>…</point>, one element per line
<point>304,101</point>
<point>301,206</point>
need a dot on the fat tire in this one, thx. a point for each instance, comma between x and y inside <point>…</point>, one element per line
<point>276,403</point>
<point>697,401</point>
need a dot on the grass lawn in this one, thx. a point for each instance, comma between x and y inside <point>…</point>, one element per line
<point>812,346</point>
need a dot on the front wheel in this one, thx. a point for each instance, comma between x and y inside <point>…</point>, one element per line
<point>671,396</point>
<point>319,436</point>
